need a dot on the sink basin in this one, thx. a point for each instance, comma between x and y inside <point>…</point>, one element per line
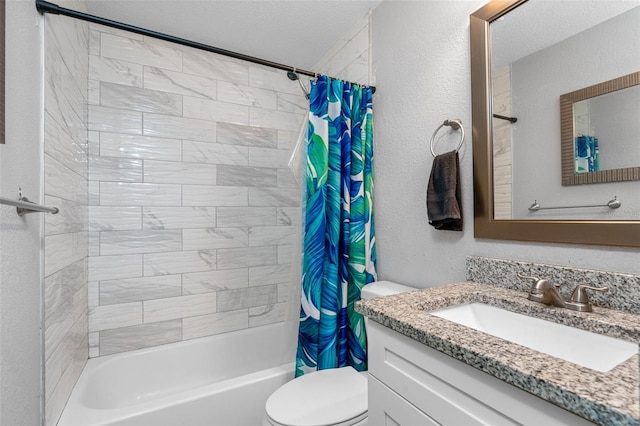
<point>591,350</point>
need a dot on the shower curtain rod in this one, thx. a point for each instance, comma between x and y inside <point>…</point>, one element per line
<point>47,7</point>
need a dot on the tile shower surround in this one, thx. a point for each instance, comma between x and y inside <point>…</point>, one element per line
<point>65,186</point>
<point>192,207</point>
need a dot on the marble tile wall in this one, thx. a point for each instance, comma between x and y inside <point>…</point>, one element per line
<point>349,59</point>
<point>502,130</point>
<point>192,207</point>
<point>65,186</point>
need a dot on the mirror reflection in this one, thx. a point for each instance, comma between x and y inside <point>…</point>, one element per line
<point>540,51</point>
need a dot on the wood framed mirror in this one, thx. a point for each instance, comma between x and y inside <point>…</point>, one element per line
<point>594,232</point>
<point>578,112</point>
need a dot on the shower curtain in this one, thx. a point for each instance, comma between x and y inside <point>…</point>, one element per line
<point>339,255</point>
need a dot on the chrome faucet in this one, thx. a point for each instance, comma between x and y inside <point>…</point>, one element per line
<point>544,292</point>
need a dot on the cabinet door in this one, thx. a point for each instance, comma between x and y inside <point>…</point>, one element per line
<point>452,392</point>
<point>389,409</point>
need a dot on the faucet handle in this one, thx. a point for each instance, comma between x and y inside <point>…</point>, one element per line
<point>538,284</point>
<point>579,294</point>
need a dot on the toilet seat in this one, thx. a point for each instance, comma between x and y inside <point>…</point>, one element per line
<point>333,397</point>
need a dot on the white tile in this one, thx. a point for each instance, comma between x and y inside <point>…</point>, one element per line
<point>238,134</point>
<point>206,109</point>
<point>231,300</point>
<point>286,179</point>
<point>246,176</point>
<point>287,139</point>
<point>180,262</point>
<point>138,289</point>
<point>179,307</point>
<point>59,144</point>
<point>275,80</point>
<point>114,31</point>
<point>140,336</point>
<point>177,172</point>
<point>115,316</point>
<point>62,182</point>
<point>115,169</point>
<point>275,119</point>
<point>179,83</point>
<point>284,291</point>
<point>72,216</point>
<point>208,195</point>
<point>278,197</point>
<point>214,66</point>
<point>93,193</point>
<point>105,119</point>
<point>293,103</point>
<point>266,157</point>
<point>140,52</point>
<point>271,235</point>
<point>206,282</point>
<point>137,99</point>
<point>143,147</point>
<point>215,153</point>
<point>94,243</point>
<point>245,95</point>
<point>285,253</point>
<point>208,325</point>
<point>178,217</point>
<point>146,241</point>
<point>114,71</point>
<point>139,194</point>
<point>273,274</point>
<point>114,267</point>
<point>108,218</point>
<point>94,42</point>
<point>288,216</point>
<point>214,238</point>
<point>64,249</point>
<point>246,216</point>
<point>93,294</point>
<point>93,92</point>
<point>246,257</point>
<point>179,128</point>
<point>268,314</point>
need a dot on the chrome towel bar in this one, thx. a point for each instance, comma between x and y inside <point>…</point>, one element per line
<point>612,204</point>
<point>24,206</point>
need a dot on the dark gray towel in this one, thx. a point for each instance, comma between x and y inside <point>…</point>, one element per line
<point>444,207</point>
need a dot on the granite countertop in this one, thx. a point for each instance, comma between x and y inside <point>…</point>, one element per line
<point>611,397</point>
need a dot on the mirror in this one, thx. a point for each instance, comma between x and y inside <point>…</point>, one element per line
<point>600,132</point>
<point>561,229</point>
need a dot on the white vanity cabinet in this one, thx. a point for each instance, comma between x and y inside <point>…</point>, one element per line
<point>412,384</point>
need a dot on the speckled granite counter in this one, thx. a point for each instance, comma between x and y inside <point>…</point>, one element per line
<point>605,398</point>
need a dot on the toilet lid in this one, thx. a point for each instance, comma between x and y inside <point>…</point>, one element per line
<point>321,398</point>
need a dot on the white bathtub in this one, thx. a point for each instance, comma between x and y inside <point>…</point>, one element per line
<point>219,380</point>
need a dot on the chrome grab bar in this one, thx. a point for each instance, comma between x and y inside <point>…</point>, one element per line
<point>24,206</point>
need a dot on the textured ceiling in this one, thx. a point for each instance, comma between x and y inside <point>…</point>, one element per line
<point>293,32</point>
<point>538,24</point>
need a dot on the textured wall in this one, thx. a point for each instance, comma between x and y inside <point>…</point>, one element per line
<point>422,69</point>
<point>66,45</point>
<point>20,247</point>
<point>537,82</point>
<point>192,205</point>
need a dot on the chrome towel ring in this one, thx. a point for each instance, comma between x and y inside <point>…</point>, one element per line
<point>455,124</point>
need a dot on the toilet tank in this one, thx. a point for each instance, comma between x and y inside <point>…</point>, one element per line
<point>383,288</point>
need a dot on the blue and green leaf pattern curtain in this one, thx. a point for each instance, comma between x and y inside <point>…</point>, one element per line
<point>339,255</point>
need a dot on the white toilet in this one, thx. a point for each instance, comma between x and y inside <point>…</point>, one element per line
<point>333,397</point>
